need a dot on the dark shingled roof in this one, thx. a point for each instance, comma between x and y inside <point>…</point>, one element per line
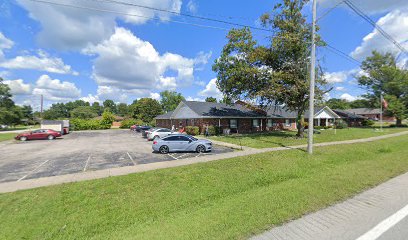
<point>165,116</point>
<point>210,109</point>
<point>360,111</point>
<point>282,112</point>
<point>347,114</point>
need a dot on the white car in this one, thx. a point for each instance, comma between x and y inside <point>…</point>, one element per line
<point>158,132</point>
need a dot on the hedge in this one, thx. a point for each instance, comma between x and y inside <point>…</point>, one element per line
<point>88,124</point>
<point>400,125</point>
<point>192,130</point>
<point>127,123</point>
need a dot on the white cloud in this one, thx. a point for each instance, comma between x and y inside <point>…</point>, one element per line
<point>190,98</point>
<point>370,6</point>
<point>336,77</point>
<point>55,89</point>
<point>5,43</point>
<point>90,98</point>
<point>18,87</point>
<point>340,88</point>
<point>395,24</point>
<point>348,97</point>
<point>42,62</point>
<point>124,61</point>
<point>211,90</point>
<point>72,28</point>
<point>192,6</point>
<point>155,96</point>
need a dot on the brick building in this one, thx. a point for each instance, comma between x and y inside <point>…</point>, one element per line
<point>239,117</point>
<point>371,113</point>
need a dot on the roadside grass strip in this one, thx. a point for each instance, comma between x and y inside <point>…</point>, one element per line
<point>228,199</point>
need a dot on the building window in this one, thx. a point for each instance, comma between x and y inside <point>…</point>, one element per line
<point>255,122</point>
<point>233,123</point>
<point>269,123</point>
<point>287,122</point>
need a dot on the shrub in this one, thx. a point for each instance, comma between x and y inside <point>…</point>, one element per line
<point>127,123</point>
<point>399,125</point>
<point>340,124</point>
<point>83,124</point>
<point>192,130</point>
<point>107,119</point>
<point>153,123</point>
<point>318,127</point>
<point>367,123</point>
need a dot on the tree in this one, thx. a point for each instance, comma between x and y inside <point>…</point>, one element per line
<point>57,110</point>
<point>211,99</point>
<point>97,108</point>
<point>335,103</point>
<point>122,109</point>
<point>170,100</point>
<point>107,118</point>
<point>361,103</point>
<point>83,112</point>
<point>383,77</point>
<point>10,114</point>
<point>146,109</point>
<point>276,73</point>
<point>110,105</point>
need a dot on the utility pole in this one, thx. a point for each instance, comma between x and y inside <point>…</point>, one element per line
<point>312,82</point>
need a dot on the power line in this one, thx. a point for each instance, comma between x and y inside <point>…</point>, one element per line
<point>341,53</point>
<point>127,14</point>
<point>331,9</point>
<point>184,14</point>
<point>370,21</point>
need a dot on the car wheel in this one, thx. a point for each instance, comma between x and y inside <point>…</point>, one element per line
<point>51,137</point>
<point>23,138</point>
<point>200,149</point>
<point>164,149</point>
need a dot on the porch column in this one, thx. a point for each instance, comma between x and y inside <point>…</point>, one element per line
<point>219,122</point>
<point>261,124</point>
<point>318,122</point>
<point>327,122</point>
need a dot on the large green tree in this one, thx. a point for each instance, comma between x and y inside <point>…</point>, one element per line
<point>170,100</point>
<point>211,99</point>
<point>146,109</point>
<point>122,109</point>
<point>10,114</point>
<point>83,112</point>
<point>109,105</point>
<point>335,103</point>
<point>384,77</point>
<point>276,73</point>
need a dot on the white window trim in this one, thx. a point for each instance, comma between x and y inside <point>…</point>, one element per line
<point>287,122</point>
<point>253,121</point>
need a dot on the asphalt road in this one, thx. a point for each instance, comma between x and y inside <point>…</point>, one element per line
<point>80,152</point>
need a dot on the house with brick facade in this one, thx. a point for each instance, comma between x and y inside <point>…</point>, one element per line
<point>239,117</point>
<point>371,113</point>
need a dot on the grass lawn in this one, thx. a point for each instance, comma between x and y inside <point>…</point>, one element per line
<point>226,199</point>
<point>287,138</point>
<point>7,136</point>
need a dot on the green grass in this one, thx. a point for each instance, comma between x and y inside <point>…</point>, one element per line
<point>288,138</point>
<point>226,199</point>
<point>7,136</point>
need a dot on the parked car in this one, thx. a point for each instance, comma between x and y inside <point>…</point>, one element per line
<point>134,127</point>
<point>146,132</point>
<point>158,133</point>
<point>142,128</point>
<point>3,126</point>
<point>181,143</point>
<point>38,134</point>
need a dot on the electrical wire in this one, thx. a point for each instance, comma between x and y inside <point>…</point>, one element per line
<point>359,12</point>
<point>329,10</point>
<point>184,14</point>
<point>341,53</point>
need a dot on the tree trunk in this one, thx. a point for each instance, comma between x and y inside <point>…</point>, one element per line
<point>300,126</point>
<point>399,121</point>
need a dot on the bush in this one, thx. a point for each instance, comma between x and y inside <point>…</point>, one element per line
<point>367,123</point>
<point>318,127</point>
<point>153,123</point>
<point>399,125</point>
<point>340,124</point>
<point>192,130</point>
<point>127,123</point>
<point>107,119</point>
<point>91,124</point>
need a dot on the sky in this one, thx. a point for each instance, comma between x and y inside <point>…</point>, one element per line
<point>125,52</point>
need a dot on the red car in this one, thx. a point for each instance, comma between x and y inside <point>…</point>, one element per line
<point>38,134</point>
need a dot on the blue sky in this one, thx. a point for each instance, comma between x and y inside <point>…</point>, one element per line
<point>67,53</point>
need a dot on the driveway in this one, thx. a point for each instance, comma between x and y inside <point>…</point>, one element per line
<point>82,152</point>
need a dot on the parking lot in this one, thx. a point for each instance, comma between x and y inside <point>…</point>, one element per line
<point>80,152</point>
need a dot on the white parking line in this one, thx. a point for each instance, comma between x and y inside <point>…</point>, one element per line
<point>33,171</point>
<point>172,156</point>
<point>87,162</point>
<point>385,225</point>
<point>183,155</point>
<point>131,158</point>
